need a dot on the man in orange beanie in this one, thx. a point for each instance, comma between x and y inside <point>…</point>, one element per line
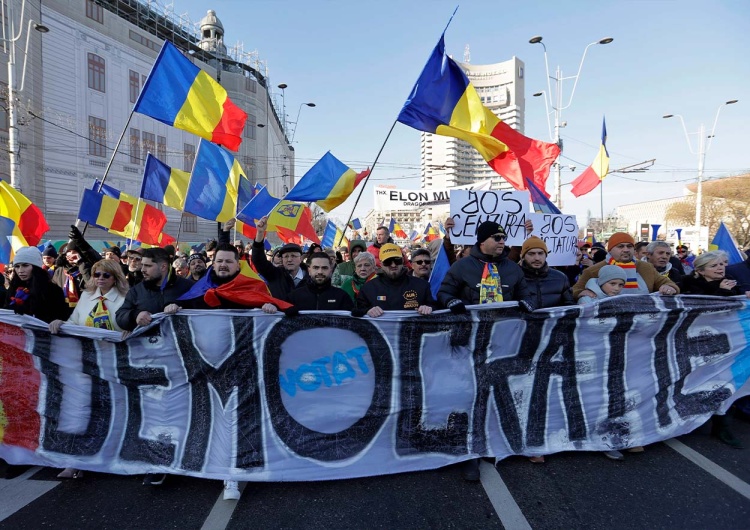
<point>549,287</point>
<point>642,276</point>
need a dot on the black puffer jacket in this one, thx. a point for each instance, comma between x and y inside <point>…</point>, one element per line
<point>149,297</point>
<point>462,282</point>
<point>405,293</point>
<point>550,288</point>
<point>312,297</point>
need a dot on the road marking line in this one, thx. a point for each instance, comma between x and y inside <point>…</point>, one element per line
<point>19,492</point>
<point>733,481</point>
<point>221,513</point>
<point>507,509</point>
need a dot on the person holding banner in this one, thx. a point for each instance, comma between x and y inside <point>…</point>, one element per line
<point>549,286</point>
<point>31,292</point>
<point>97,308</point>
<point>317,293</point>
<point>659,254</point>
<point>642,276</point>
<point>709,278</point>
<point>393,289</point>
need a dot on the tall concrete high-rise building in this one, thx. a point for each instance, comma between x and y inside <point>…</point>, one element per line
<point>448,162</point>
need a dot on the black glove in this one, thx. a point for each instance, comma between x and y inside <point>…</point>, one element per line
<point>457,307</point>
<point>292,312</point>
<point>525,307</point>
<point>74,233</point>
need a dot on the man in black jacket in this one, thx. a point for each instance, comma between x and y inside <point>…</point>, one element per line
<point>159,288</point>
<point>317,293</point>
<point>485,275</point>
<point>281,280</point>
<point>394,289</point>
<point>549,287</point>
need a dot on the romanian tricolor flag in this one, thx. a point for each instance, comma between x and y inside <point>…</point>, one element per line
<point>395,229</point>
<point>7,226</point>
<point>329,182</point>
<point>431,233</point>
<point>333,236</point>
<point>104,211</point>
<point>146,223</point>
<point>182,95</point>
<point>282,214</point>
<point>164,184</point>
<point>444,102</point>
<point>595,173</point>
<point>215,183</point>
<point>30,222</point>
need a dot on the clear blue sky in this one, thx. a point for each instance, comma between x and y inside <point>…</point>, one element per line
<point>357,61</point>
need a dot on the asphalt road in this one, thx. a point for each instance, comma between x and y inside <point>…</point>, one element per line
<point>690,482</point>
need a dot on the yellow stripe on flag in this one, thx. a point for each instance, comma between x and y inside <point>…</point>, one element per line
<point>203,106</point>
<point>174,195</point>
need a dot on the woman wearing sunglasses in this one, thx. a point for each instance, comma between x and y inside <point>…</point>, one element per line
<point>104,295</point>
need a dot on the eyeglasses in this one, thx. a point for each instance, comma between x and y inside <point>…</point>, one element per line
<point>393,261</point>
<point>422,262</point>
<point>134,258</point>
<point>104,275</point>
<point>499,237</point>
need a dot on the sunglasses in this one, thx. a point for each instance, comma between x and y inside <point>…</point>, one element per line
<point>499,237</point>
<point>422,262</point>
<point>104,275</point>
<point>393,261</point>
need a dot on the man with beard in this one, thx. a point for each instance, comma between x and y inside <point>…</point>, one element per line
<point>133,274</point>
<point>317,293</point>
<point>642,276</point>
<point>549,287</point>
<point>281,280</point>
<point>394,289</point>
<point>224,287</point>
<point>197,265</point>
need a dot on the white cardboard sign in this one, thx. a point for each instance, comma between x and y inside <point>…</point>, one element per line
<point>560,233</point>
<point>470,208</point>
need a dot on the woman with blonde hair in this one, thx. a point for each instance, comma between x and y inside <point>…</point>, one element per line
<point>104,295</point>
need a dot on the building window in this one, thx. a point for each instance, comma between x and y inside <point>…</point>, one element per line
<point>250,164</point>
<point>188,157</point>
<point>161,148</point>
<point>135,146</point>
<point>3,106</point>
<point>97,136</point>
<point>96,73</point>
<point>189,223</point>
<point>251,85</point>
<point>135,85</point>
<point>149,145</point>
<point>250,126</point>
<point>148,43</point>
<point>94,11</point>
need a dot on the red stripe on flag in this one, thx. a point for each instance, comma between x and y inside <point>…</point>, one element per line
<point>19,390</point>
<point>585,182</point>
<point>122,216</point>
<point>32,225</point>
<point>228,131</point>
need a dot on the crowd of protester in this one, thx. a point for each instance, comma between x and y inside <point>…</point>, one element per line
<point>122,291</point>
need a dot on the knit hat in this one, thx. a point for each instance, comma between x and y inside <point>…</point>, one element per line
<point>50,251</point>
<point>610,272</point>
<point>388,251</point>
<point>533,242</point>
<point>115,250</point>
<point>619,237</point>
<point>487,229</point>
<point>196,256</point>
<point>30,255</point>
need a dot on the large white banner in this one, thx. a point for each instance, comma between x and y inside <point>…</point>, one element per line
<point>243,395</point>
<point>391,198</point>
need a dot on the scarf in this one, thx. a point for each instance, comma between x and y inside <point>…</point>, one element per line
<point>630,272</point>
<point>17,301</point>
<point>71,287</point>
<point>358,282</point>
<point>99,316</point>
<point>490,289</point>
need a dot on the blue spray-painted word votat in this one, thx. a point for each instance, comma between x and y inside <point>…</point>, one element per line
<point>309,377</point>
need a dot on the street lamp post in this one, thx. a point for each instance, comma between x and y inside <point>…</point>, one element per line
<point>283,86</point>
<point>296,121</point>
<point>9,45</point>
<point>702,150</point>
<point>557,102</point>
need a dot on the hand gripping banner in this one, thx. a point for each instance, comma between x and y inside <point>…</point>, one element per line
<point>249,396</point>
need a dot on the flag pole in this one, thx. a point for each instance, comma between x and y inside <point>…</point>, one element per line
<point>364,183</point>
<point>109,165</point>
